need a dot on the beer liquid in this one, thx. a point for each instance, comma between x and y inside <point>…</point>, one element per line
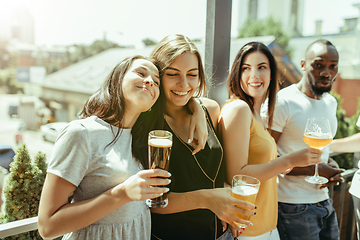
<point>316,142</point>
<point>247,194</point>
<point>159,157</point>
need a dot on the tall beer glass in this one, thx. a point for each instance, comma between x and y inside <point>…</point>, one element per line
<point>244,188</point>
<point>159,145</point>
<point>317,134</point>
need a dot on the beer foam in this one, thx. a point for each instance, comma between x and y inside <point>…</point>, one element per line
<point>158,142</point>
<point>244,190</point>
<point>318,135</point>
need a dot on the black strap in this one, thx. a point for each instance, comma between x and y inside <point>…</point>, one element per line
<point>207,114</point>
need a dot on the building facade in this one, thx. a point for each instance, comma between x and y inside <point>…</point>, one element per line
<point>289,12</point>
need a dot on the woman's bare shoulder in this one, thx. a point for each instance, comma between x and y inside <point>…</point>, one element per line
<point>212,106</point>
<point>236,107</point>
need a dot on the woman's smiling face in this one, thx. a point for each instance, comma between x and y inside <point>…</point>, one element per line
<point>141,85</point>
<point>255,75</point>
<point>181,79</point>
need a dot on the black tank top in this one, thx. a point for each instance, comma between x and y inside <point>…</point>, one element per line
<point>204,170</point>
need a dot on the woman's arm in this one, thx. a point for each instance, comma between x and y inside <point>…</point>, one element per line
<point>213,109</point>
<point>57,216</point>
<point>197,125</point>
<point>218,200</point>
<point>235,125</point>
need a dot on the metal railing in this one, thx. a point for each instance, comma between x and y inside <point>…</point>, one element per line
<point>347,174</point>
<point>350,229</point>
<point>17,227</point>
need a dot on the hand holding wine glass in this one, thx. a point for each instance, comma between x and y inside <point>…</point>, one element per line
<point>318,135</point>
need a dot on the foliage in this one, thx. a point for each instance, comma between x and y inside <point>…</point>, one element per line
<point>8,82</point>
<point>52,67</point>
<point>353,120</point>
<point>77,53</point>
<point>149,42</point>
<point>7,59</point>
<point>266,27</point>
<point>22,189</point>
<point>346,127</point>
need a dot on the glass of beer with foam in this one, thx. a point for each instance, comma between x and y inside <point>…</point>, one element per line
<point>244,188</point>
<point>159,146</point>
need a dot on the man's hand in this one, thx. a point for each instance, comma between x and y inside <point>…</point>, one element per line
<point>332,172</point>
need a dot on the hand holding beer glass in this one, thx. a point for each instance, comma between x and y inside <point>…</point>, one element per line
<point>318,135</point>
<point>159,146</point>
<point>244,188</point>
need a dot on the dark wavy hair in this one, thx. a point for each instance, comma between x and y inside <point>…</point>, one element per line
<point>108,103</point>
<point>233,81</point>
<point>146,122</point>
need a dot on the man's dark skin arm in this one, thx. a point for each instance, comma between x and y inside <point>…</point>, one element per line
<point>329,170</point>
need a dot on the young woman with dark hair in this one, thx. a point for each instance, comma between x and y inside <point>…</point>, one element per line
<point>95,188</point>
<point>249,148</point>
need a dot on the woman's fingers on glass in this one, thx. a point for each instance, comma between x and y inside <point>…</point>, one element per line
<point>246,206</point>
<point>161,173</point>
<point>158,182</point>
<point>237,220</point>
<point>246,212</point>
<point>154,173</point>
<point>157,190</point>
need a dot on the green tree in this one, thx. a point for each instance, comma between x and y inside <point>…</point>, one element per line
<point>52,67</point>
<point>101,45</point>
<point>8,83</point>
<point>346,127</point>
<point>77,53</point>
<point>149,42</point>
<point>266,27</point>
<point>22,189</point>
<point>5,55</point>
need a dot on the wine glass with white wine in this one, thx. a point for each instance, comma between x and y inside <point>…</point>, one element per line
<point>318,135</point>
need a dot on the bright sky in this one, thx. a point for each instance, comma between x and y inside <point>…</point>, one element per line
<point>67,22</point>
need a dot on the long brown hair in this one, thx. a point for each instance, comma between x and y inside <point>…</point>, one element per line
<point>163,55</point>
<point>108,101</point>
<point>233,81</point>
<point>172,46</point>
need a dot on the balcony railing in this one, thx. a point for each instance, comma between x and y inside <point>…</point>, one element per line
<point>17,227</point>
<point>345,209</point>
<point>30,224</point>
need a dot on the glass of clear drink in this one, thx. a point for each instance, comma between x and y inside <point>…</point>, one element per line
<point>244,188</point>
<point>159,147</point>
